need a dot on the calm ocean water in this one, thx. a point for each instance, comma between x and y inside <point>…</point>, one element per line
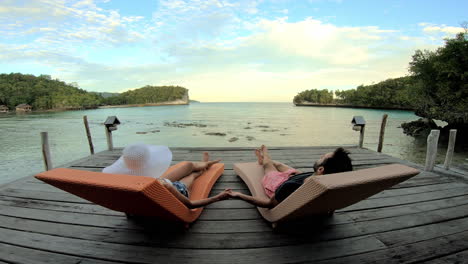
<point>245,124</point>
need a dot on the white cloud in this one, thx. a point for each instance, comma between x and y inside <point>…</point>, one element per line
<point>442,29</point>
<point>71,21</point>
<point>274,62</point>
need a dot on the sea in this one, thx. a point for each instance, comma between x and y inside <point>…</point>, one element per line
<point>200,125</point>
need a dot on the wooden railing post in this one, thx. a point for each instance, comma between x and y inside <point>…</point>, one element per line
<point>88,134</point>
<point>46,150</point>
<point>361,136</point>
<point>450,148</point>
<point>382,132</point>
<point>431,154</point>
<point>110,144</point>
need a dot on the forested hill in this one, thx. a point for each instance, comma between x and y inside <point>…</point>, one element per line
<point>44,93</point>
<point>150,95</point>
<point>391,93</point>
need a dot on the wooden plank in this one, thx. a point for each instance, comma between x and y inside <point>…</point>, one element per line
<point>420,233</point>
<point>406,199</point>
<point>40,195</point>
<point>408,209</point>
<point>418,189</point>
<point>459,257</point>
<point>17,254</point>
<point>177,237</point>
<point>412,253</point>
<point>121,222</point>
<point>145,254</point>
<point>411,220</point>
<point>57,206</point>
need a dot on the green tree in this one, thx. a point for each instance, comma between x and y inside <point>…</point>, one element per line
<point>442,81</point>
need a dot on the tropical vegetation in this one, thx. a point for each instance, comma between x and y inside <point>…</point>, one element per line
<point>44,93</point>
<point>437,87</point>
<point>442,81</point>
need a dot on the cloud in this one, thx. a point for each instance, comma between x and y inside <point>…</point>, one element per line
<point>272,63</point>
<point>71,21</point>
<point>221,50</point>
<point>442,29</point>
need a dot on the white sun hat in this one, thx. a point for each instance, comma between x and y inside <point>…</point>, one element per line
<point>143,160</point>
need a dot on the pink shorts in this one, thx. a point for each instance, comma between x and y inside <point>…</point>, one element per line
<point>273,179</point>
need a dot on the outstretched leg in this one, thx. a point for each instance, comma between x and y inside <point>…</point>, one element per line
<point>186,168</point>
<point>188,181</point>
<point>268,164</point>
<point>183,169</point>
<point>259,155</point>
<point>205,163</point>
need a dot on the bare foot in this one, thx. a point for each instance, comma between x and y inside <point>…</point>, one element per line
<point>202,165</point>
<point>259,156</point>
<point>206,157</point>
<point>265,154</point>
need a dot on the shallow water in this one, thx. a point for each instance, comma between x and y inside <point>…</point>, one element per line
<point>253,124</point>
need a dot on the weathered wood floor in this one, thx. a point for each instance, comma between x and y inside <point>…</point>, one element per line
<point>424,219</point>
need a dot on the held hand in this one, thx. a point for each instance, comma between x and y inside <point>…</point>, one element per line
<point>234,195</point>
<point>224,194</point>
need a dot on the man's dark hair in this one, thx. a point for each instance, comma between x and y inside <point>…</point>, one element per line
<point>339,162</point>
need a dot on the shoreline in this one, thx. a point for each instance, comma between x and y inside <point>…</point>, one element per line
<point>179,102</point>
<point>355,106</point>
<point>143,105</point>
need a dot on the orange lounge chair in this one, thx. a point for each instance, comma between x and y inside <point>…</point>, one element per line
<point>325,193</point>
<point>133,195</point>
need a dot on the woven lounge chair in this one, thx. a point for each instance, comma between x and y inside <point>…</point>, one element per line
<point>324,194</point>
<point>133,195</point>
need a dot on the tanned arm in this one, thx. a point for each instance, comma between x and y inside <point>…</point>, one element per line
<point>283,167</point>
<point>197,203</point>
<point>265,203</point>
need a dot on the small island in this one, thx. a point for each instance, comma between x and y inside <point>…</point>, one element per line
<point>42,93</point>
<point>389,94</point>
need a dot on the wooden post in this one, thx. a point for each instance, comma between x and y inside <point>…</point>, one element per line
<point>450,148</point>
<point>88,134</point>
<point>110,145</point>
<point>361,137</point>
<point>382,132</point>
<point>46,150</point>
<point>431,153</point>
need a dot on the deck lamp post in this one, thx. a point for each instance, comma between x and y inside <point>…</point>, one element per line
<point>110,125</point>
<point>359,124</point>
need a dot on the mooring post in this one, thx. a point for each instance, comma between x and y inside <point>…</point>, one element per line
<point>382,132</point>
<point>361,137</point>
<point>431,154</point>
<point>46,150</point>
<point>450,148</point>
<point>359,124</point>
<point>88,134</point>
<point>110,125</point>
<point>110,145</point>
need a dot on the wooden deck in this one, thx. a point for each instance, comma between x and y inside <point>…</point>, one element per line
<point>424,219</point>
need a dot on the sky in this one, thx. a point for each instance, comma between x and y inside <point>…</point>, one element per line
<point>222,50</point>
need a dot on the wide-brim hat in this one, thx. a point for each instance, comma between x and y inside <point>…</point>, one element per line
<point>143,160</point>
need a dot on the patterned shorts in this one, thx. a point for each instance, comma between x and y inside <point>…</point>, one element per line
<point>180,186</point>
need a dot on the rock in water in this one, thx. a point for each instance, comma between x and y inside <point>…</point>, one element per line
<point>419,127</point>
